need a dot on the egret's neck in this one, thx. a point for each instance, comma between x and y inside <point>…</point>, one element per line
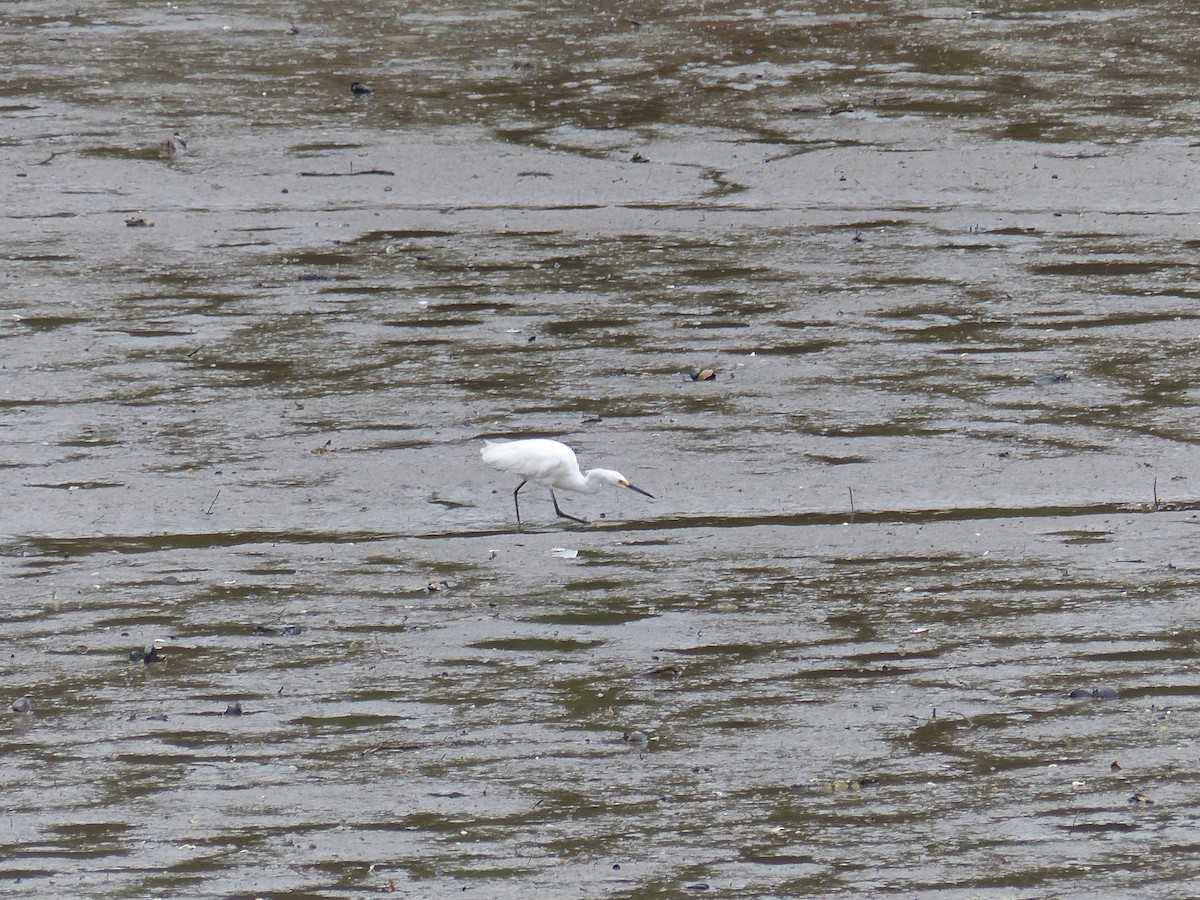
<point>596,479</point>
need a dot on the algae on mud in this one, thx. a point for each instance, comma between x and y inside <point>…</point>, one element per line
<point>888,227</point>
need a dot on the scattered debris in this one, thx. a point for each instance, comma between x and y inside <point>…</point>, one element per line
<point>1101,693</point>
<point>1053,378</point>
<point>285,631</point>
<point>668,671</point>
<point>146,656</point>
<point>347,174</point>
<point>174,146</point>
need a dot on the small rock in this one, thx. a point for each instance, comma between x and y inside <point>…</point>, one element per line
<point>24,706</point>
<point>358,89</point>
<point>233,709</point>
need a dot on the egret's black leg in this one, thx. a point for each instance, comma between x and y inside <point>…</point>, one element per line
<point>564,515</point>
<point>517,503</point>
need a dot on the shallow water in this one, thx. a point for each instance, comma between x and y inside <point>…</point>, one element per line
<point>890,537</point>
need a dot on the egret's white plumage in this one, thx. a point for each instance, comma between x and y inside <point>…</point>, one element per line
<point>553,464</point>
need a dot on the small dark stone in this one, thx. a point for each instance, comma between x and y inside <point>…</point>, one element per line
<point>1079,693</point>
<point>638,158</point>
<point>358,89</point>
<point>23,706</point>
<point>233,709</point>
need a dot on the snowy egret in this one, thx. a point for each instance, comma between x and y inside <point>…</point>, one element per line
<point>553,464</point>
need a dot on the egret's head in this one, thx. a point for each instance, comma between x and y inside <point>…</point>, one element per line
<point>610,476</point>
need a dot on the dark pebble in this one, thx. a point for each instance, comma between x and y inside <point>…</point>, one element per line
<point>233,709</point>
<point>358,89</point>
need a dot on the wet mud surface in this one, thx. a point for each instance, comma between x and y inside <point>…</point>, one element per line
<point>256,327</point>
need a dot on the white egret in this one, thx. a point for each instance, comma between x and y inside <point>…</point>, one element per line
<point>553,464</point>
